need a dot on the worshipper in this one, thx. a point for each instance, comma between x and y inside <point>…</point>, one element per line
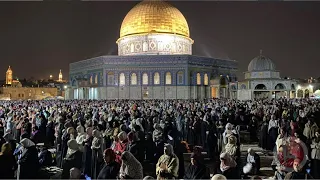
<point>36,136</point>
<point>64,143</point>
<point>96,153</point>
<point>7,162</point>
<point>87,156</point>
<point>315,156</point>
<point>282,138</point>
<point>253,163</point>
<point>73,159</point>
<point>263,140</point>
<point>28,161</point>
<point>130,168</point>
<point>151,149</point>
<point>168,164</point>
<point>45,156</point>
<point>196,170</point>
<point>8,137</point>
<point>218,177</point>
<point>310,129</point>
<point>120,145</point>
<point>111,168</point>
<point>81,136</point>
<point>228,167</point>
<point>273,129</point>
<point>75,173</point>
<point>231,148</point>
<point>135,147</point>
<point>50,130</point>
<point>297,172</point>
<point>252,128</point>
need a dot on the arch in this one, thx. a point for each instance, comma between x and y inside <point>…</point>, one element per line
<point>96,79</point>
<point>168,78</point>
<point>300,93</point>
<point>260,87</point>
<point>74,82</point>
<point>122,79</point>
<point>243,86</point>
<point>132,48</point>
<point>280,86</point>
<point>233,87</point>
<point>306,93</point>
<point>180,78</point>
<point>156,78</point>
<point>205,79</point>
<point>91,79</point>
<point>198,79</point>
<point>293,87</point>
<point>145,79</point>
<point>134,79</point>
<point>110,78</point>
<point>223,80</point>
<point>145,46</point>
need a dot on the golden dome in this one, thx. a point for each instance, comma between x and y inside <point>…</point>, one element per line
<point>154,16</point>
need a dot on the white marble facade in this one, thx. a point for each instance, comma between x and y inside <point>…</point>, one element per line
<point>154,44</point>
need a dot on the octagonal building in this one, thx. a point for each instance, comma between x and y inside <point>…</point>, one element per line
<point>154,61</point>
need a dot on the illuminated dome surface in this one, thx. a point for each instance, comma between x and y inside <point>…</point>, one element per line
<point>154,16</point>
<point>154,27</point>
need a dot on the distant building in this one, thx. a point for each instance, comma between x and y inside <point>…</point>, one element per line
<point>13,90</point>
<point>263,81</point>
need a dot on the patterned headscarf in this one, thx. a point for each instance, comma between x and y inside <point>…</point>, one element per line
<point>131,166</point>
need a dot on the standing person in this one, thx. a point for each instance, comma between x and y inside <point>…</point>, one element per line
<point>28,162</point>
<point>130,168</point>
<point>120,145</point>
<point>168,164</point>
<point>263,141</point>
<point>73,159</point>
<point>7,162</point>
<point>111,168</point>
<point>273,132</point>
<point>96,153</point>
<point>315,156</point>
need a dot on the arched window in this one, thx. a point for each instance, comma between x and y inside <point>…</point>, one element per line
<point>198,79</point>
<point>156,78</point>
<point>133,79</point>
<point>168,78</point>
<point>145,46</point>
<point>96,79</point>
<point>145,79</point>
<point>206,79</point>
<point>122,79</point>
<point>91,79</point>
<point>110,78</point>
<point>132,47</point>
<point>180,77</point>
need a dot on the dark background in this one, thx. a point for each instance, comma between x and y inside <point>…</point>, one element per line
<point>39,38</point>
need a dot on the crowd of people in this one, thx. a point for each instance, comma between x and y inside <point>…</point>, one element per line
<point>127,139</point>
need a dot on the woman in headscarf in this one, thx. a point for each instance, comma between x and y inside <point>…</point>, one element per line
<point>130,168</point>
<point>157,133</point>
<point>88,151</point>
<point>28,162</point>
<point>7,162</point>
<point>315,156</point>
<point>168,164</point>
<point>111,168</point>
<point>231,148</point>
<point>65,138</point>
<point>228,167</point>
<point>273,129</point>
<point>263,140</point>
<point>96,153</point>
<point>8,137</point>
<point>50,130</point>
<point>120,146</point>
<point>80,137</point>
<point>135,147</point>
<point>196,170</point>
<point>73,159</point>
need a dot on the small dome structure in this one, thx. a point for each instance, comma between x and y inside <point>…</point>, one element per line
<point>261,63</point>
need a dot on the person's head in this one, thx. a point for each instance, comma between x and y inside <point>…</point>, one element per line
<point>168,149</point>
<point>218,177</point>
<point>73,145</point>
<point>132,137</point>
<point>126,156</point>
<point>75,173</point>
<point>70,130</point>
<point>232,139</point>
<point>96,133</point>
<point>148,178</point>
<point>251,151</point>
<point>317,134</point>
<point>26,143</point>
<point>122,136</point>
<point>296,165</point>
<point>109,155</point>
<point>282,131</point>
<point>80,129</point>
<point>6,149</point>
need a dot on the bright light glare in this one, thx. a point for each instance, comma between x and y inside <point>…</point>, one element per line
<point>299,87</point>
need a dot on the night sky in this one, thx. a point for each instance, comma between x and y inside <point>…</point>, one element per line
<point>39,38</point>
